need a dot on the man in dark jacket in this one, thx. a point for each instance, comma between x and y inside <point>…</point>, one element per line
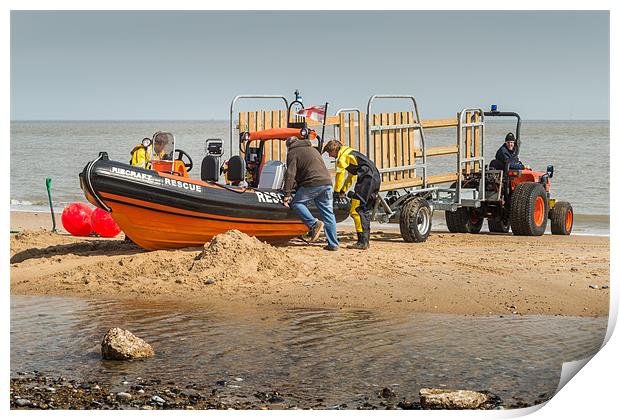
<point>508,153</point>
<point>305,169</point>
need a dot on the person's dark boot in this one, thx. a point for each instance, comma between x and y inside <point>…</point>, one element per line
<point>361,243</point>
<point>366,239</point>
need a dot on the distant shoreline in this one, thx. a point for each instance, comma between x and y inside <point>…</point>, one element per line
<point>597,224</point>
<point>226,120</point>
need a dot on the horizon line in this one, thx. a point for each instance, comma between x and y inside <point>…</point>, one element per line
<point>226,119</point>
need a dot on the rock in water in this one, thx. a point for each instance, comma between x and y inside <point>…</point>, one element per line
<point>119,344</point>
<point>434,398</point>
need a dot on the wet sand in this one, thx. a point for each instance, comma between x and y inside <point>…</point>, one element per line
<point>450,273</point>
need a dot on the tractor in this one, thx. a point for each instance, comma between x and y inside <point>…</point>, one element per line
<point>513,199</point>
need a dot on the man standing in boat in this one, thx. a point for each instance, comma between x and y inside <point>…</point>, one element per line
<point>140,155</point>
<point>306,170</point>
<point>366,188</point>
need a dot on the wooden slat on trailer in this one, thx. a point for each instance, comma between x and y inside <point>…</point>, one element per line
<point>405,136</point>
<point>282,146</point>
<point>251,122</point>
<point>360,133</point>
<point>341,132</point>
<point>437,151</point>
<point>476,141</point>
<point>390,146</point>
<point>267,125</point>
<point>417,181</point>
<point>376,142</point>
<point>351,142</point>
<point>330,120</point>
<point>445,123</point>
<point>385,163</point>
<point>243,125</point>
<point>411,131</point>
<point>467,142</point>
<point>400,159</point>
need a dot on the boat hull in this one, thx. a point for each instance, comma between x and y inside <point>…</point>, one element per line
<point>160,211</point>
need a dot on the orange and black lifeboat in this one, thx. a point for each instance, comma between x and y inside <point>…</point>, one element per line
<point>159,210</point>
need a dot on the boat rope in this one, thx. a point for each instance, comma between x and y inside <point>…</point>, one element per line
<point>226,187</point>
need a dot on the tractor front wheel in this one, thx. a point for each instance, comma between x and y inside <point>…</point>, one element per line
<point>498,224</point>
<point>529,209</point>
<point>561,216</point>
<point>464,220</point>
<point>416,220</point>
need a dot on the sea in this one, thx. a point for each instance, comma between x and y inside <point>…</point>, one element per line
<point>578,150</point>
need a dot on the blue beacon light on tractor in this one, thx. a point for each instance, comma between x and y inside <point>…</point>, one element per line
<point>493,108</point>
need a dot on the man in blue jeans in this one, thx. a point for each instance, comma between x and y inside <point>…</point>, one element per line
<point>306,170</point>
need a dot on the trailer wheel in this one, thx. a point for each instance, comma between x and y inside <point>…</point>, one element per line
<point>561,216</point>
<point>498,224</point>
<point>415,220</point>
<point>464,220</point>
<point>529,209</point>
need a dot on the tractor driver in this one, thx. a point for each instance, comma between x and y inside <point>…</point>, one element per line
<point>508,153</point>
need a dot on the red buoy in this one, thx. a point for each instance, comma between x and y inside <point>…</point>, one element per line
<point>103,223</point>
<point>76,219</point>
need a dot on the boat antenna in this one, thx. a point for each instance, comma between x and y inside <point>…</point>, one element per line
<point>323,131</point>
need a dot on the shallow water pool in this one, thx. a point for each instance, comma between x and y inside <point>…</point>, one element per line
<point>310,355</point>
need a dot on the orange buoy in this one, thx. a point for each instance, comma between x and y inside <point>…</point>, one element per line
<point>103,224</point>
<point>76,219</point>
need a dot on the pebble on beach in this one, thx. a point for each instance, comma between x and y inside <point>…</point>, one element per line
<point>123,396</point>
<point>157,399</point>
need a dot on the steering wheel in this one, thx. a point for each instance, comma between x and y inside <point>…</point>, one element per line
<point>179,156</point>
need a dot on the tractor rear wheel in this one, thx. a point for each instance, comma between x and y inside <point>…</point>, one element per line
<point>529,209</point>
<point>498,224</point>
<point>464,220</point>
<point>415,220</point>
<point>561,216</point>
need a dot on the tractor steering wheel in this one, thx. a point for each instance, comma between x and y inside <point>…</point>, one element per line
<point>179,156</point>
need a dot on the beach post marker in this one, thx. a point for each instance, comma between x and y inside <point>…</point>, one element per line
<point>48,183</point>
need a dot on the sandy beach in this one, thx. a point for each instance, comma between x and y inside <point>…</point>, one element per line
<point>450,273</point>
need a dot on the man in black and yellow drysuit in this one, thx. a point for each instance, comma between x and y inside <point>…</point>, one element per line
<point>366,186</point>
<point>140,155</point>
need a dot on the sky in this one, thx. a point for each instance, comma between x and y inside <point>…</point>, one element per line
<point>188,65</point>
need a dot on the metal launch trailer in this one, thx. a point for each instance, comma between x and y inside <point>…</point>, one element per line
<point>395,141</point>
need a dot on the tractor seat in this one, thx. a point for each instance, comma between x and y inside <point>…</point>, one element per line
<point>496,164</point>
